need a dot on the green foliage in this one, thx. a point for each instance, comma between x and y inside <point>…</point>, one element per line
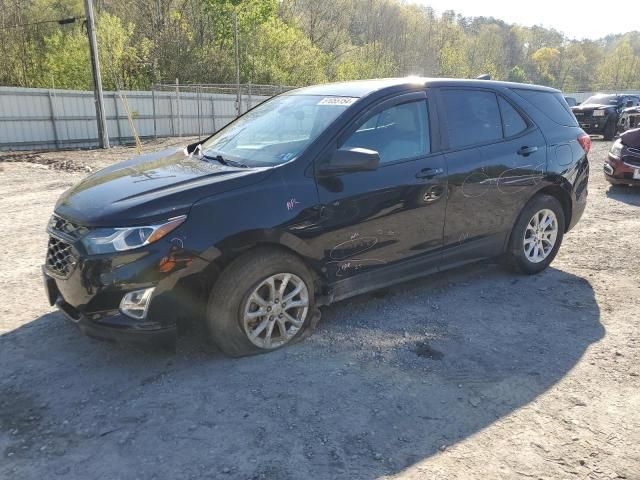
<point>517,74</point>
<point>296,42</point>
<point>284,56</point>
<point>364,62</point>
<point>66,62</point>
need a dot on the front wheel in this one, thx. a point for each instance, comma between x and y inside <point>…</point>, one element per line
<point>537,235</point>
<point>263,301</point>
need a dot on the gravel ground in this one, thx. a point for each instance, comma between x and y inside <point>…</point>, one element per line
<point>473,374</point>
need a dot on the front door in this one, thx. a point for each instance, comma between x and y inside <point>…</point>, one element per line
<point>377,219</point>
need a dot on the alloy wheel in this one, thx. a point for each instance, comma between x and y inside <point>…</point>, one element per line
<point>276,310</point>
<point>540,235</point>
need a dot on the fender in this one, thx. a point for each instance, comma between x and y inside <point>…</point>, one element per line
<point>279,212</point>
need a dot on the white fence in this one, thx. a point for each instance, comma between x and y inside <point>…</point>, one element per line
<point>41,119</point>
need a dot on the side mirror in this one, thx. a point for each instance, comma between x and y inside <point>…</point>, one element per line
<point>348,160</point>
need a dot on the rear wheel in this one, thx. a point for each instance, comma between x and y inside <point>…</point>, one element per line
<point>537,235</point>
<point>261,302</point>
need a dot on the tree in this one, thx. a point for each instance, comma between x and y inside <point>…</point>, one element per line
<point>284,56</point>
<point>546,61</point>
<point>517,74</point>
<point>66,63</point>
<point>142,42</point>
<point>364,62</point>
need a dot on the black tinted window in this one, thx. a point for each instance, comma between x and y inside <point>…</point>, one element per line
<point>551,104</point>
<point>472,117</point>
<point>399,132</point>
<point>511,119</point>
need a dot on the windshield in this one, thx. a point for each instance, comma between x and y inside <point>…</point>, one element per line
<point>277,130</point>
<point>602,100</point>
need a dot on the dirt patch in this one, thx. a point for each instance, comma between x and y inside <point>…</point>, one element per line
<point>473,374</point>
<point>423,349</point>
<point>87,161</point>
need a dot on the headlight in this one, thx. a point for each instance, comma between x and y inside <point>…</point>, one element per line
<point>598,113</point>
<point>616,149</point>
<point>109,240</point>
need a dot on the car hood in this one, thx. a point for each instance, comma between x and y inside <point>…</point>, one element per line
<point>590,106</point>
<point>631,138</point>
<point>150,188</point>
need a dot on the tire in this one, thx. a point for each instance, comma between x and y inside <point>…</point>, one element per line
<point>239,289</point>
<point>609,130</point>
<point>524,238</point>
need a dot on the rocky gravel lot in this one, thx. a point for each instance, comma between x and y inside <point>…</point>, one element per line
<point>473,374</point>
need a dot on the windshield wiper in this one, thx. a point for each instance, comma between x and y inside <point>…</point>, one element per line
<point>225,161</point>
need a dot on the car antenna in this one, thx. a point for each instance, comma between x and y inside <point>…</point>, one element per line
<point>484,76</point>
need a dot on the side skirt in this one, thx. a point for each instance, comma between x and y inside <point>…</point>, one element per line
<point>422,266</point>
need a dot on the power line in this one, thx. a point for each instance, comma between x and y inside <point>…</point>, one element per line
<point>63,21</point>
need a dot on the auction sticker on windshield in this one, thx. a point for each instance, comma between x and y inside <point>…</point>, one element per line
<point>341,101</point>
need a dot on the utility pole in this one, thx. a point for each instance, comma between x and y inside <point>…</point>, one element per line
<point>103,136</point>
<point>237,57</point>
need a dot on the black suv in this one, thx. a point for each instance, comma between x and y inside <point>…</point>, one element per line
<point>599,114</point>
<point>314,196</point>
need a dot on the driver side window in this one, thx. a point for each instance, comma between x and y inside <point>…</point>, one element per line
<point>396,133</point>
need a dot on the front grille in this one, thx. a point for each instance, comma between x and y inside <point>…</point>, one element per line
<point>60,258</point>
<point>67,228</point>
<point>631,162</point>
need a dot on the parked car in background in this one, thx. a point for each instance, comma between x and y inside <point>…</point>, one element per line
<point>622,166</point>
<point>572,102</point>
<point>629,119</point>
<point>316,195</point>
<point>599,114</point>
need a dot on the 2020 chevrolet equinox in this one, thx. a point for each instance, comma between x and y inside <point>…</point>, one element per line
<point>314,196</point>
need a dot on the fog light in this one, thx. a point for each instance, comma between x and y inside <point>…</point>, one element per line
<point>608,169</point>
<point>135,304</point>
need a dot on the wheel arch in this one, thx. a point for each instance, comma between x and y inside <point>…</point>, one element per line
<point>285,243</point>
<point>563,196</point>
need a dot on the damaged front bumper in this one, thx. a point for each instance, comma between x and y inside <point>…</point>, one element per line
<point>89,289</point>
<point>110,323</point>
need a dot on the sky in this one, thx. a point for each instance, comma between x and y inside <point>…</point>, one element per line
<point>584,19</point>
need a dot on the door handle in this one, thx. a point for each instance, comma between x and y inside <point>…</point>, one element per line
<point>429,173</point>
<point>526,151</point>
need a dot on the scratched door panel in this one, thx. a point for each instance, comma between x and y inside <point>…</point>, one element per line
<point>496,158</point>
<point>373,219</point>
<point>489,185</point>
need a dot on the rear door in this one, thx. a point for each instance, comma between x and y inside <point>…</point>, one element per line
<point>376,219</point>
<point>495,156</point>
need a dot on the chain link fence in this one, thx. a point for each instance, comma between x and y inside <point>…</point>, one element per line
<point>200,109</point>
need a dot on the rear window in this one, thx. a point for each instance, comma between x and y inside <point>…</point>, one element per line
<point>512,122</point>
<point>473,117</point>
<point>551,104</point>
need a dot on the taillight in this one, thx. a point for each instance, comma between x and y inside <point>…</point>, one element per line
<point>585,142</point>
